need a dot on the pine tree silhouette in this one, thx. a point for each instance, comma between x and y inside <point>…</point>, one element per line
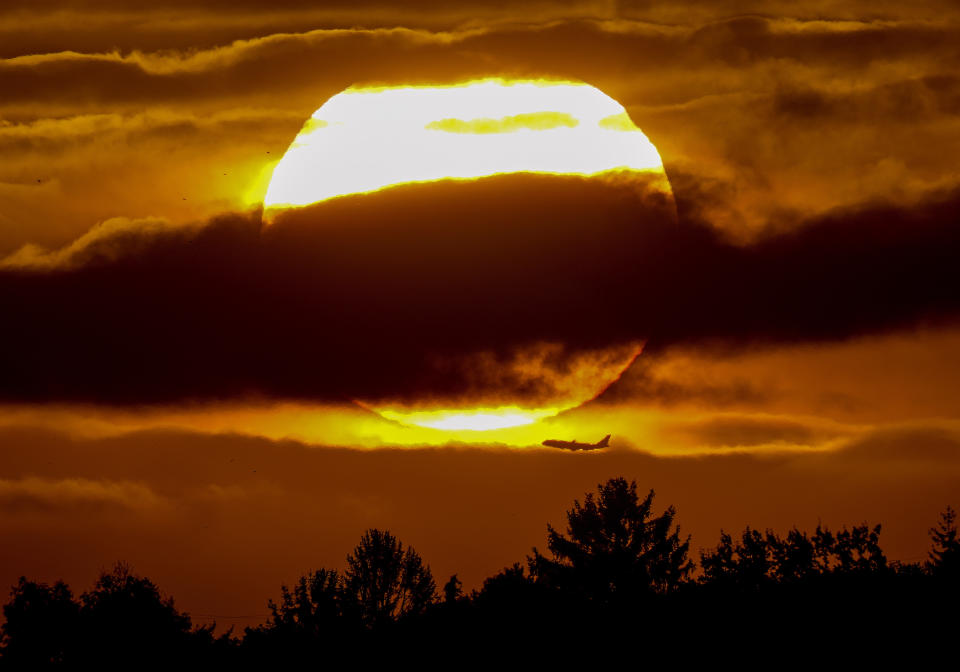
<point>614,547</point>
<point>944,555</point>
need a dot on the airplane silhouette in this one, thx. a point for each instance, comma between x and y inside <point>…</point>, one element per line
<point>573,445</point>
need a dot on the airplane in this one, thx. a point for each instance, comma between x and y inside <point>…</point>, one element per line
<point>573,445</point>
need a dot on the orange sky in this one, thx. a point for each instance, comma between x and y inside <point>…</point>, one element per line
<point>802,359</point>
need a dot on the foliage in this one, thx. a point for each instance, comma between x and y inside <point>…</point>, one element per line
<point>308,620</point>
<point>618,573</point>
<point>40,626</point>
<point>327,611</point>
<point>125,615</point>
<point>123,621</point>
<point>125,604</point>
<point>511,586</point>
<point>386,580</point>
<point>614,547</point>
<point>944,556</point>
<point>452,590</point>
<point>758,559</point>
<point>314,606</point>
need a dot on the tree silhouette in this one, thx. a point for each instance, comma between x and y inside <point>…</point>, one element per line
<point>614,547</point>
<point>858,550</point>
<point>745,564</point>
<point>122,623</point>
<point>41,625</point>
<point>823,546</point>
<point>945,552</point>
<point>127,620</point>
<point>314,606</point>
<point>386,580</point>
<point>314,616</point>
<point>612,575</point>
<point>452,590</point>
<point>758,560</point>
<point>794,558</point>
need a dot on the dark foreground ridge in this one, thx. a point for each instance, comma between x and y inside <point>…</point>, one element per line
<point>616,584</point>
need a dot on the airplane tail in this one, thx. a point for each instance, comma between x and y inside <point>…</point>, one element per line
<point>604,442</point>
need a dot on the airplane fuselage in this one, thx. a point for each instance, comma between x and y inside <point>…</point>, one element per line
<point>570,445</point>
<point>576,445</point>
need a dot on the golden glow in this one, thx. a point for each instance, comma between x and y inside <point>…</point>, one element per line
<point>365,139</point>
<point>587,375</point>
<point>667,432</point>
<point>474,420</point>
<point>535,121</point>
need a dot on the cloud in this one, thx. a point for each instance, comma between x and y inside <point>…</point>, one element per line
<point>752,432</point>
<point>592,50</point>
<point>861,381</point>
<point>374,296</point>
<point>37,29</point>
<point>33,494</point>
<point>244,69</point>
<point>68,134</point>
<point>354,293</point>
<point>105,243</point>
<point>221,57</point>
<point>911,447</point>
<point>535,120</point>
<point>788,117</point>
<point>64,173</point>
<point>898,455</point>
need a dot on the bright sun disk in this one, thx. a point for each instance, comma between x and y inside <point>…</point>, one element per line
<point>366,139</point>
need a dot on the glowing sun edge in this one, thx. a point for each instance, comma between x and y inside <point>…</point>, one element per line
<point>493,417</point>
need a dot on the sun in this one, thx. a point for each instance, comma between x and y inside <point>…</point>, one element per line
<point>365,140</point>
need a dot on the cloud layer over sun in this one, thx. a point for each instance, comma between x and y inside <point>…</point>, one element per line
<point>387,296</point>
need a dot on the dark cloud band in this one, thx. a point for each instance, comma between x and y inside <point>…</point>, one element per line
<point>374,296</point>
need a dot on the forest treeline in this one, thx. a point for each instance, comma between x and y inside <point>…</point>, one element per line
<point>619,578</point>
